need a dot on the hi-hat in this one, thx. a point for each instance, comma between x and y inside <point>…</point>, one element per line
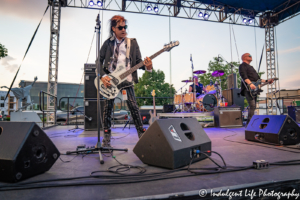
<point>199,72</point>
<point>186,81</point>
<point>218,73</point>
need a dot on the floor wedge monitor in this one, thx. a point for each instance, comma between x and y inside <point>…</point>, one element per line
<point>275,129</point>
<point>171,143</point>
<point>25,151</point>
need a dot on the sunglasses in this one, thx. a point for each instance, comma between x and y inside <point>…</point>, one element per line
<point>121,27</point>
<point>250,56</point>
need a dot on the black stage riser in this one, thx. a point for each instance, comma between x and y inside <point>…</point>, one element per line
<point>275,129</point>
<point>25,151</point>
<point>159,147</point>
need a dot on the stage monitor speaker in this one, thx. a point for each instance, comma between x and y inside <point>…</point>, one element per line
<point>294,112</point>
<point>171,143</point>
<point>168,108</point>
<point>25,151</point>
<point>275,129</point>
<point>234,97</point>
<point>228,117</point>
<point>90,110</point>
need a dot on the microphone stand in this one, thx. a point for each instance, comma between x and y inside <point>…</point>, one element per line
<point>194,89</point>
<point>98,147</point>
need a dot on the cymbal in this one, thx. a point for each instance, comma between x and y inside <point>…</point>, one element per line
<point>199,72</point>
<point>218,73</point>
<point>186,81</point>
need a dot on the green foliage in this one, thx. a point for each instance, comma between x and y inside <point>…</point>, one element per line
<point>153,81</point>
<point>3,51</point>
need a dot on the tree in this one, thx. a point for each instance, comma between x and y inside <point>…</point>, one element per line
<point>3,51</point>
<point>153,81</point>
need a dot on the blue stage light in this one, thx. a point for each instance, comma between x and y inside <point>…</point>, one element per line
<point>200,14</point>
<point>149,8</point>
<point>99,3</point>
<point>91,3</point>
<point>250,21</point>
<point>245,20</point>
<point>156,9</point>
<point>206,16</point>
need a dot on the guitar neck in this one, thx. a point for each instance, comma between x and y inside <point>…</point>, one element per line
<point>154,106</point>
<point>136,67</point>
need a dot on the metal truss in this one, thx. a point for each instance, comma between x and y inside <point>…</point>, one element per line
<point>271,68</point>
<point>176,8</point>
<point>53,53</point>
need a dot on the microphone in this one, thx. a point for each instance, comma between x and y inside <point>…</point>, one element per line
<point>191,58</point>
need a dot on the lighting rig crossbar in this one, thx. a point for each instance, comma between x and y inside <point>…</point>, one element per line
<point>175,8</point>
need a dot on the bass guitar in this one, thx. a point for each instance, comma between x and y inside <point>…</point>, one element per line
<point>153,116</point>
<point>120,74</point>
<point>258,84</point>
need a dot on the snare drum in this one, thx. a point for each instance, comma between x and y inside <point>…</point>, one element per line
<point>206,102</point>
<point>178,99</point>
<point>188,97</point>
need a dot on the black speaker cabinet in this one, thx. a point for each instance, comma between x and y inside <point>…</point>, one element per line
<point>228,116</point>
<point>275,129</point>
<point>294,113</point>
<point>168,108</point>
<point>231,81</point>
<point>25,151</point>
<point>89,68</point>
<point>171,143</point>
<point>90,91</point>
<point>234,97</point>
<point>90,110</point>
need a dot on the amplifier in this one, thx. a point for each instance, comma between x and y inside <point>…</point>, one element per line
<point>231,81</point>
<point>90,110</point>
<point>228,117</point>
<point>234,97</point>
<point>294,113</point>
<point>89,68</point>
<point>90,91</point>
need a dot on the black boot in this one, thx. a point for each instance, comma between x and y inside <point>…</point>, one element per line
<point>106,138</point>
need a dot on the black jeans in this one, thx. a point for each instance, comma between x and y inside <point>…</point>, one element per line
<point>133,107</point>
<point>252,104</point>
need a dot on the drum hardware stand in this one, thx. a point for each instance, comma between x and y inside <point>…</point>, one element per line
<point>98,147</point>
<point>76,124</point>
<point>194,89</point>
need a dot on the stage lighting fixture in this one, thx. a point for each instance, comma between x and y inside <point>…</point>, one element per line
<point>91,3</point>
<point>149,8</point>
<point>206,16</point>
<point>250,21</point>
<point>99,3</point>
<point>245,20</point>
<point>200,14</point>
<point>156,9</point>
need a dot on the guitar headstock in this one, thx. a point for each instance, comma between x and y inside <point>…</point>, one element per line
<point>171,45</point>
<point>153,93</point>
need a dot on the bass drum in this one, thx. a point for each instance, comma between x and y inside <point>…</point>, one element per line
<point>206,102</point>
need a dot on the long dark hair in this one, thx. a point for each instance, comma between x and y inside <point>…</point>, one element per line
<point>114,21</point>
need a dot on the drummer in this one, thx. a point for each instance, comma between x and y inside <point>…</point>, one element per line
<point>198,87</point>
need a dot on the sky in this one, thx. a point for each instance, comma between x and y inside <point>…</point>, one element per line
<point>203,39</point>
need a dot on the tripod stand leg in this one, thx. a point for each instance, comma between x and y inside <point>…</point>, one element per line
<point>101,157</point>
<point>126,125</point>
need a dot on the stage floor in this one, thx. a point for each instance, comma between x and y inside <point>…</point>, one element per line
<point>234,154</point>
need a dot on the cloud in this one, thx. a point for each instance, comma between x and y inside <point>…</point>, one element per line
<point>31,9</point>
<point>6,63</point>
<point>292,50</point>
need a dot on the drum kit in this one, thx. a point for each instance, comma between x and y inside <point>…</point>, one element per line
<point>205,102</point>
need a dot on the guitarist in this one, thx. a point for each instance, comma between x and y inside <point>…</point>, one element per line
<point>113,53</point>
<point>249,74</point>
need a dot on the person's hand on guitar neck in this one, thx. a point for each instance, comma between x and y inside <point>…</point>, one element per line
<point>106,81</point>
<point>270,81</point>
<point>148,63</point>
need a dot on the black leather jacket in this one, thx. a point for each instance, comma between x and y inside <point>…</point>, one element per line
<point>106,53</point>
